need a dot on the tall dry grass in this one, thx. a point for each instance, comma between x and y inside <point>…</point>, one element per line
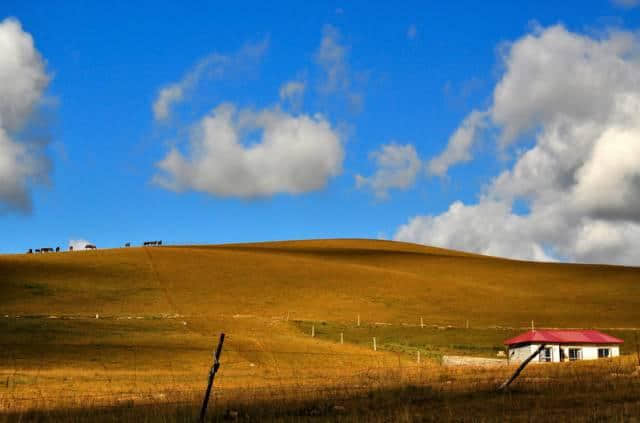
<point>605,390</point>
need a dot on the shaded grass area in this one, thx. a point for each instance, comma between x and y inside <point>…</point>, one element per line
<point>603,391</point>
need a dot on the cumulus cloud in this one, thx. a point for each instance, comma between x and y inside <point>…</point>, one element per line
<point>579,98</point>
<point>78,244</point>
<point>246,153</point>
<point>397,167</point>
<point>293,93</point>
<point>23,80</point>
<point>488,228</point>
<point>214,66</point>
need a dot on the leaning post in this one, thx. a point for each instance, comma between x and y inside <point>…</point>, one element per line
<point>520,368</point>
<point>212,375</point>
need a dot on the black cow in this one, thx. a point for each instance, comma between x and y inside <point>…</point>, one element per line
<point>30,251</point>
<point>57,249</point>
<point>90,247</point>
<point>70,247</point>
<point>128,244</point>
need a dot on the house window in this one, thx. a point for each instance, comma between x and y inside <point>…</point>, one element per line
<point>545,354</point>
<point>575,354</point>
<point>603,352</point>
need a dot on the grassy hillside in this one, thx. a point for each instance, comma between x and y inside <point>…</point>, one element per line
<point>322,280</point>
<point>161,309</point>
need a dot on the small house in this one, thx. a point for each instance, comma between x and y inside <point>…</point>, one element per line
<point>563,345</point>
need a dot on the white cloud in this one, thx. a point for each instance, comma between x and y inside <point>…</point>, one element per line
<point>397,167</point>
<point>244,153</point>
<point>23,79</point>
<point>412,32</point>
<point>332,56</point>
<point>626,4</point>
<point>79,244</point>
<point>488,228</point>
<point>579,97</point>
<point>168,96</point>
<point>459,145</point>
<point>215,66</point>
<point>292,92</point>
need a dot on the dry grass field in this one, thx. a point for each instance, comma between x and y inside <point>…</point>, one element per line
<point>127,334</point>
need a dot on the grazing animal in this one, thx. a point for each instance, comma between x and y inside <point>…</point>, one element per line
<point>128,244</point>
<point>57,249</point>
<point>30,251</point>
<point>37,250</point>
<point>90,247</point>
<point>70,247</point>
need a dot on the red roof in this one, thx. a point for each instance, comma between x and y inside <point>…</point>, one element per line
<point>564,337</point>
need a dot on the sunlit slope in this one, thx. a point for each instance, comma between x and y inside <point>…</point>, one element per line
<point>332,280</point>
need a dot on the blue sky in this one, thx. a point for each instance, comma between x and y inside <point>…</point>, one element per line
<point>406,75</point>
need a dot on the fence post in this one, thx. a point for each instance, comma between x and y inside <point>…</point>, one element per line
<point>421,322</point>
<point>313,331</point>
<point>358,320</point>
<point>374,344</point>
<point>418,356</point>
<point>212,375</point>
<point>341,337</point>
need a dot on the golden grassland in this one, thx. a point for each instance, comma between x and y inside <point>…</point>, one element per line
<point>160,311</point>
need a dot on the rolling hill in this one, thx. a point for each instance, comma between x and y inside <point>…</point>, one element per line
<point>130,320</point>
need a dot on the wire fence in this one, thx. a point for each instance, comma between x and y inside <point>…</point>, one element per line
<point>253,370</point>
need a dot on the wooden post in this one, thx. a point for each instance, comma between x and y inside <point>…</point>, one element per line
<point>341,337</point>
<point>467,323</point>
<point>533,328</point>
<point>358,320</point>
<point>313,331</point>
<point>418,356</point>
<point>374,344</point>
<point>520,368</point>
<point>421,322</point>
<point>212,375</point>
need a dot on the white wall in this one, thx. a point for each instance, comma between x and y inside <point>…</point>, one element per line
<point>589,352</point>
<point>520,353</point>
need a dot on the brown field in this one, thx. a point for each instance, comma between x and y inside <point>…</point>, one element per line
<point>160,310</point>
